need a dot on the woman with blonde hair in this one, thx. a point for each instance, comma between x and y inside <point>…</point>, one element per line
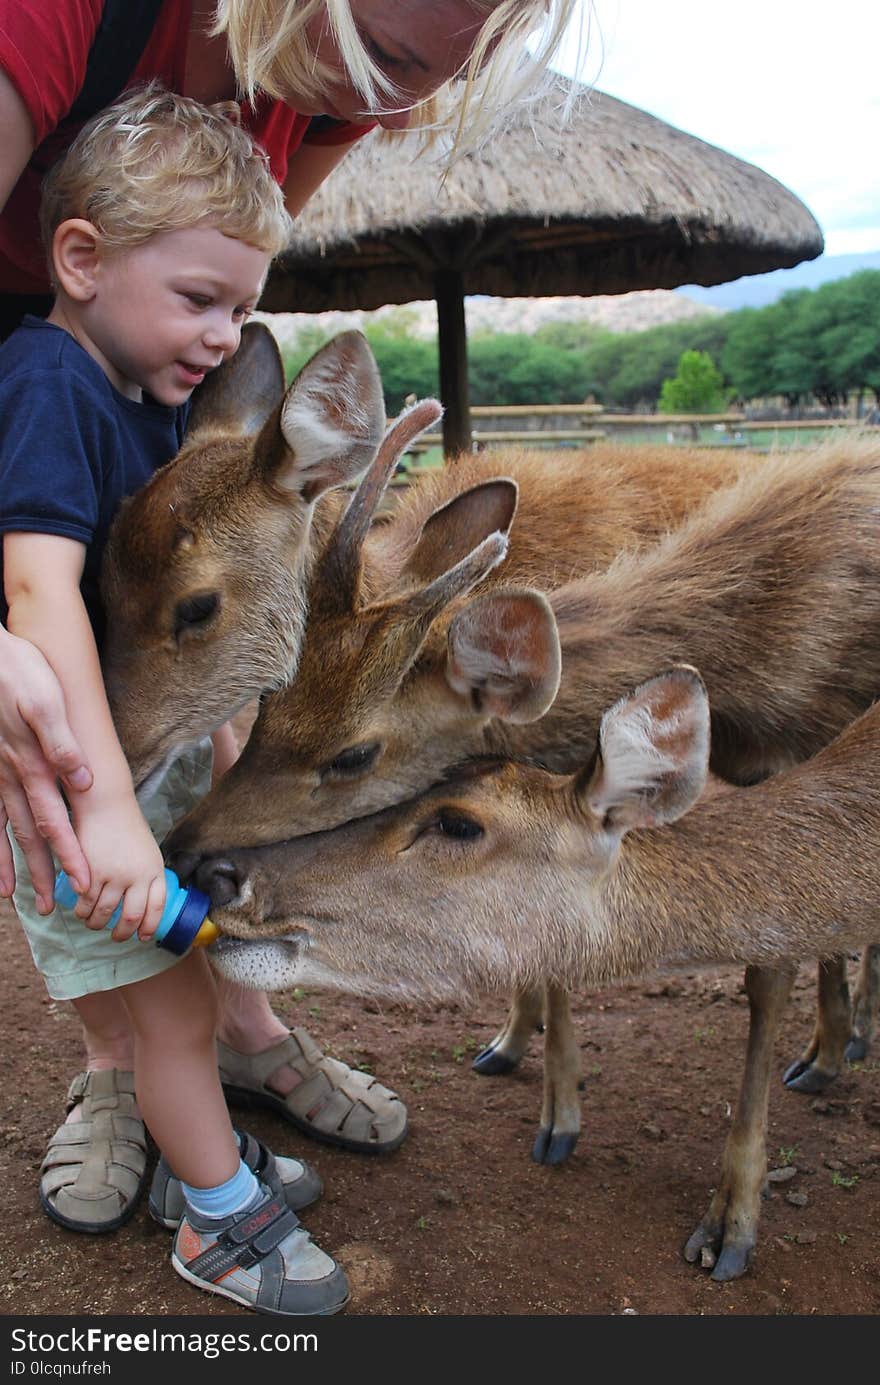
<point>311,77</point>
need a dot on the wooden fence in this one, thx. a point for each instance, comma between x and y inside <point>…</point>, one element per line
<point>580,425</point>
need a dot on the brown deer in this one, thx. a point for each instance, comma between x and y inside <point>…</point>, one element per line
<point>517,876</point>
<point>373,602</point>
<point>229,527</point>
<point>207,567</point>
<point>772,588</point>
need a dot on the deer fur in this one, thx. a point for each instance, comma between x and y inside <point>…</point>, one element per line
<point>365,647</point>
<point>772,587</point>
<point>230,527</point>
<point>207,568</point>
<point>517,876</point>
<point>366,677</point>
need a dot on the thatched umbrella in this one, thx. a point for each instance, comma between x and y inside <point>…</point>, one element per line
<point>610,201</point>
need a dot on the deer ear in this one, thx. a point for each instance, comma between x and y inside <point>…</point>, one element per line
<point>456,528</point>
<point>503,654</point>
<point>241,394</point>
<point>332,420</point>
<point>653,753</point>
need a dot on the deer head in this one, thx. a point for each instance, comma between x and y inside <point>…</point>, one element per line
<point>387,692</point>
<point>495,878</point>
<point>380,709</point>
<point>206,570</point>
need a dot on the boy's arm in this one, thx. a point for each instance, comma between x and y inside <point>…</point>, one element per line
<point>41,576</point>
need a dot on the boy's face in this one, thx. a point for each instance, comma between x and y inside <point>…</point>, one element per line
<point>166,312</point>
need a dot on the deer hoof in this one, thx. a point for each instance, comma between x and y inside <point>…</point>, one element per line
<point>552,1148</point>
<point>732,1263</point>
<point>705,1238</point>
<point>491,1062</point>
<point>856,1050</point>
<point>806,1078</point>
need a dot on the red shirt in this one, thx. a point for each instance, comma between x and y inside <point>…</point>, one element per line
<point>44,46</point>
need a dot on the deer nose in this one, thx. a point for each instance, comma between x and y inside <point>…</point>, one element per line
<point>219,880</point>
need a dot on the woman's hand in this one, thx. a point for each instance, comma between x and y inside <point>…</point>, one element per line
<point>37,747</point>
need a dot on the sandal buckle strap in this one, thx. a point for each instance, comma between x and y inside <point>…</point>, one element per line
<point>271,1219</point>
<point>77,1089</point>
<point>247,1242</point>
<point>253,1152</point>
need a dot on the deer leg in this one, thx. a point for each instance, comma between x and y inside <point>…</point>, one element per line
<point>561,1108</point>
<point>823,1057</point>
<point>865,1001</point>
<point>503,1054</point>
<point>727,1235</point>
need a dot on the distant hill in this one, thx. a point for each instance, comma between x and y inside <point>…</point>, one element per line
<point>757,290</point>
<point>621,312</point>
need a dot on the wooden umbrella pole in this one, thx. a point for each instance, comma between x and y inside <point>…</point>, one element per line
<point>452,343</point>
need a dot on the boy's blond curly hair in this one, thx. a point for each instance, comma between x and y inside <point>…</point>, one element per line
<point>155,161</point>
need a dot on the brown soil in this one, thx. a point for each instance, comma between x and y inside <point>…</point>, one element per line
<point>459,1220</point>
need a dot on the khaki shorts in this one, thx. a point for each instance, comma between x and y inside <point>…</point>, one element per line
<point>74,960</point>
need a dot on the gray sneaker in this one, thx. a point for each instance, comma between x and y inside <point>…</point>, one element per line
<point>262,1258</point>
<point>294,1181</point>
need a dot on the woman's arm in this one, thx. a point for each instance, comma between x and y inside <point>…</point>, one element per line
<point>41,576</point>
<point>17,144</point>
<point>307,169</point>
<point>36,747</point>
<point>36,743</point>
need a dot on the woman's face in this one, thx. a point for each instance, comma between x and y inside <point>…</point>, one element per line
<point>418,44</point>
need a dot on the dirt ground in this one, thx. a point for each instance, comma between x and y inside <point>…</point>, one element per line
<point>459,1220</point>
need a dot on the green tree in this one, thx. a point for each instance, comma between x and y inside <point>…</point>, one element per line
<point>571,336</point>
<point>850,337</point>
<point>307,341</point>
<point>513,368</point>
<point>407,364</point>
<point>822,342</point>
<point>696,388</point>
<point>629,368</point>
<point>747,355</point>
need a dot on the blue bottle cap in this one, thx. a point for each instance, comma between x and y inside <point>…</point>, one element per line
<point>192,915</point>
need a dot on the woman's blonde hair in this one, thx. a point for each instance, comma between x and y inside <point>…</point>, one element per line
<point>153,162</point>
<point>270,49</point>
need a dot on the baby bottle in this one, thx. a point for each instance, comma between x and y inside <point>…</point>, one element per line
<point>184,923</point>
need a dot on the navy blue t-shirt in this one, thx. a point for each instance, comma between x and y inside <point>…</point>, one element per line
<point>72,447</point>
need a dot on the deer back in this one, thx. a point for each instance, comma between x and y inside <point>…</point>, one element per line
<point>771,588</point>
<point>402,677</point>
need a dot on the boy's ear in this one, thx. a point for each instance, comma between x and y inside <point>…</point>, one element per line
<point>76,253</point>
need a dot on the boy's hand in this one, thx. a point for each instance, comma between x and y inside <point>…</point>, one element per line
<point>126,864</point>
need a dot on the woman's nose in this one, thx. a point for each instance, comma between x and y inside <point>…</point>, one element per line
<point>394,120</point>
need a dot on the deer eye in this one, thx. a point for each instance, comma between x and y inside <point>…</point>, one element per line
<point>453,823</point>
<point>357,759</point>
<point>195,611</point>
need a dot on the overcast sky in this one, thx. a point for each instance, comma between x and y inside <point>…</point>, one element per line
<point>791,85</point>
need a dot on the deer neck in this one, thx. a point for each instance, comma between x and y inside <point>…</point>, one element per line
<point>770,590</point>
<point>755,876</point>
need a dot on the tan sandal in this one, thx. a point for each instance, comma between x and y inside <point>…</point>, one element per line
<point>96,1168</point>
<point>332,1102</point>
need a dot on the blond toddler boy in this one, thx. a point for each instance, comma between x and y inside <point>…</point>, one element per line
<point>160,224</point>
